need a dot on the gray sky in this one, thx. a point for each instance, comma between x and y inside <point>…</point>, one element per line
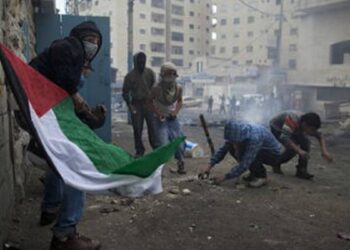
<point>60,4</point>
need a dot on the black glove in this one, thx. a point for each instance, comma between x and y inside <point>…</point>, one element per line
<point>93,117</point>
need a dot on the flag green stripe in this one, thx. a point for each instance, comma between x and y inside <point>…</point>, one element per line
<point>108,158</point>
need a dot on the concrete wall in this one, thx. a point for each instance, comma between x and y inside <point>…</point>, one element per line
<point>14,16</point>
<point>318,32</point>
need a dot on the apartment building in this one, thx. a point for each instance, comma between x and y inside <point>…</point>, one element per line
<point>166,30</point>
<point>322,74</point>
<point>324,43</point>
<point>245,32</point>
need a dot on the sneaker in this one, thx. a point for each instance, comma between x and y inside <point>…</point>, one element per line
<point>258,182</point>
<point>47,218</point>
<point>277,169</point>
<point>248,178</point>
<point>304,175</point>
<point>74,242</point>
<point>181,167</point>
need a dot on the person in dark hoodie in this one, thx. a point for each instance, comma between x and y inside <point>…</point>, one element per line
<point>64,63</point>
<point>136,88</point>
<point>252,145</point>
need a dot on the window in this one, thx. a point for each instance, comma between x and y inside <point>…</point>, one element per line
<point>214,35</point>
<point>249,62</point>
<point>191,26</point>
<point>157,61</point>
<point>191,1</point>
<point>213,50</point>
<point>158,4</point>
<point>340,52</point>
<point>236,20</point>
<point>191,13</point>
<point>223,36</point>
<point>177,50</point>
<point>223,22</point>
<point>235,49</point>
<point>157,31</point>
<point>272,53</point>
<point>143,1</point>
<point>222,50</point>
<point>177,22</point>
<point>178,62</point>
<point>250,48</point>
<point>292,47</point>
<point>214,9</point>
<point>278,2</point>
<point>142,31</point>
<point>142,16</point>
<point>177,10</point>
<point>143,47</point>
<point>236,35</point>
<point>251,19</point>
<point>157,47</point>
<point>191,52</point>
<point>158,18</point>
<point>250,33</point>
<point>293,31</point>
<point>177,36</point>
<point>96,3</point>
<point>191,39</point>
<point>235,62</point>
<point>292,64</point>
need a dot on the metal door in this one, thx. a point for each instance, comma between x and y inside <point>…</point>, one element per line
<point>97,88</point>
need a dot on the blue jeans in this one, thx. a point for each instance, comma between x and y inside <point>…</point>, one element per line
<point>69,201</point>
<point>167,131</point>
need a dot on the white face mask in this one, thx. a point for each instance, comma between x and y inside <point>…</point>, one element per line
<point>90,49</point>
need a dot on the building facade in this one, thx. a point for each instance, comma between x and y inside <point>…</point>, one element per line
<point>166,30</point>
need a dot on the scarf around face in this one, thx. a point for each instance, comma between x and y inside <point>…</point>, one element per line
<point>168,90</point>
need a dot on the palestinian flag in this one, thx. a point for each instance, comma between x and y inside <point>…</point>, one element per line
<point>73,150</point>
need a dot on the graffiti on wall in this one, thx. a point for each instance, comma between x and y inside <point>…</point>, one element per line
<point>339,81</point>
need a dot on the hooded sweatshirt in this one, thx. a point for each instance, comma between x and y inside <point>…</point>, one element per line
<point>137,85</point>
<point>63,61</point>
<point>255,138</point>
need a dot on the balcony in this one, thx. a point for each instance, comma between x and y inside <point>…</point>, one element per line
<point>310,6</point>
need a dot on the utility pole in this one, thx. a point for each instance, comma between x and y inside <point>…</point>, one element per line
<point>279,36</point>
<point>167,30</point>
<point>130,33</point>
<point>130,41</point>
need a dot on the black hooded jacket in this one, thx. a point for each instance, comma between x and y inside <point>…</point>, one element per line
<point>63,61</point>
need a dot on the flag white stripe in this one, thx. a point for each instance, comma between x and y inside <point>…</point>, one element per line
<point>78,171</point>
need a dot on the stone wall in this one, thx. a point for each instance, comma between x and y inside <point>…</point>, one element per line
<point>17,33</point>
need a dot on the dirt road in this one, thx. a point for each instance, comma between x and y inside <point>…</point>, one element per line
<point>289,213</point>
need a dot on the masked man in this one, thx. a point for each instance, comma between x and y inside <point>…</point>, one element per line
<point>64,63</point>
<point>136,88</point>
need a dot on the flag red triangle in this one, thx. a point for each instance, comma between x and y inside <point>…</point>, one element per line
<point>41,92</point>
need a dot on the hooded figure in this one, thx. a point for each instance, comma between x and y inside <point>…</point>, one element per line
<point>165,101</point>
<point>63,62</point>
<point>167,84</point>
<point>252,145</point>
<point>136,88</point>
